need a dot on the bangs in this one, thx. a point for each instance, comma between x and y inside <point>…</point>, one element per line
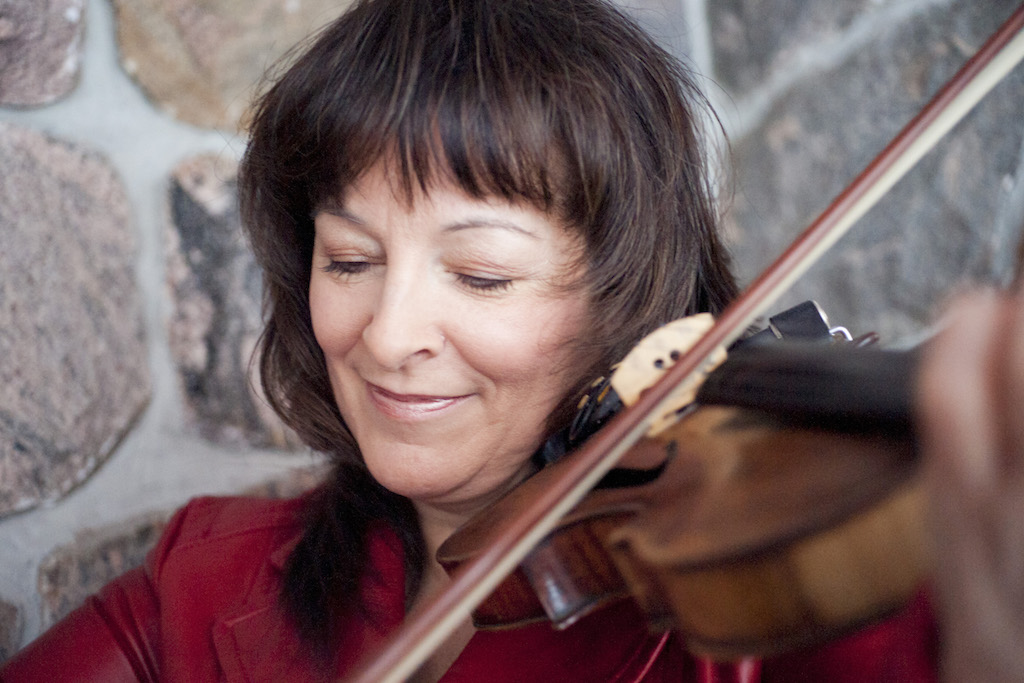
<point>440,100</point>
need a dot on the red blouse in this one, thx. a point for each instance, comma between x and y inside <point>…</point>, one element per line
<point>205,608</point>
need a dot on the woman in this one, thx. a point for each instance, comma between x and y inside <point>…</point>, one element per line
<point>465,211</point>
<point>477,196</point>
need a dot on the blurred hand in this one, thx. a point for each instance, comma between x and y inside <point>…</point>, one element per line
<point>971,403</point>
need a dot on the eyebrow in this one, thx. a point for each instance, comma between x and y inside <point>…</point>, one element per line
<point>488,222</point>
<point>335,208</point>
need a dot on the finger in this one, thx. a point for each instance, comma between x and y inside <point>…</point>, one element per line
<point>1008,370</point>
<point>955,398</point>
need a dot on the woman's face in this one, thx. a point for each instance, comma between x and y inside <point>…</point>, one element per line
<point>447,328</point>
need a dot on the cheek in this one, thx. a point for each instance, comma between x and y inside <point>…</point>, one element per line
<point>336,320</point>
<point>535,348</point>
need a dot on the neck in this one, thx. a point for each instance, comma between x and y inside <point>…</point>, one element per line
<point>438,522</point>
<point>438,525</point>
<point>439,519</point>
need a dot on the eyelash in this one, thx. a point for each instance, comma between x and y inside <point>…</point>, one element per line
<point>482,284</point>
<point>346,267</point>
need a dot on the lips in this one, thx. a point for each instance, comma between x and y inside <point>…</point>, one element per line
<point>410,406</point>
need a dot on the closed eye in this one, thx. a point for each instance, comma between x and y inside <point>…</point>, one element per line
<point>346,267</point>
<point>484,284</point>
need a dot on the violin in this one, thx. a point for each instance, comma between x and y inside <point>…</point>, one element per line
<point>679,533</point>
<point>748,526</point>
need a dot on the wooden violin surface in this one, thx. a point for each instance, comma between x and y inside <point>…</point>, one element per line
<point>793,535</point>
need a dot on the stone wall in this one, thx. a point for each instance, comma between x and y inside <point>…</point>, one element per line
<point>817,89</point>
<point>129,307</point>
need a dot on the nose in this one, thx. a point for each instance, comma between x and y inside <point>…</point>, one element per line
<point>405,324</point>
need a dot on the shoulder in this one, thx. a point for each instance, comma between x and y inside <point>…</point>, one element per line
<point>215,526</point>
<point>207,518</point>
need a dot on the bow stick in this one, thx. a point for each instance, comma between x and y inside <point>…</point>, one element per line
<point>428,627</point>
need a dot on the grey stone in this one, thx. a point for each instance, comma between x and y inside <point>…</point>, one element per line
<point>72,573</point>
<point>40,50</point>
<point>938,229</point>
<point>201,59</point>
<point>751,38</point>
<point>10,630</point>
<point>216,292</point>
<point>73,362</point>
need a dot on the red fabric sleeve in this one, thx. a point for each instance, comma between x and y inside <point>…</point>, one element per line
<point>110,639</point>
<point>901,649</point>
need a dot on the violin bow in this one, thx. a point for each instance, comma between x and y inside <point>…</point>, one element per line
<point>424,631</point>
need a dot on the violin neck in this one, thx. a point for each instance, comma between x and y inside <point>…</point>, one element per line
<point>832,387</point>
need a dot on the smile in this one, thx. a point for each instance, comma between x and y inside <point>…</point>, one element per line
<point>410,406</point>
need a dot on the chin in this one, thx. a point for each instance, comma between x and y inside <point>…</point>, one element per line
<point>408,477</point>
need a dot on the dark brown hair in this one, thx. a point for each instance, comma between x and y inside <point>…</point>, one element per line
<point>565,104</point>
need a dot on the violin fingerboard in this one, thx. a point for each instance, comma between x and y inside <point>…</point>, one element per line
<point>829,386</point>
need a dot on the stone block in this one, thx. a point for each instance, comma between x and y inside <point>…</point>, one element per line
<point>200,59</point>
<point>216,296</point>
<point>73,361</point>
<point>74,572</point>
<point>943,226</point>
<point>40,50</point>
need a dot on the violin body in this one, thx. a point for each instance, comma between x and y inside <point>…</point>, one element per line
<point>794,535</point>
